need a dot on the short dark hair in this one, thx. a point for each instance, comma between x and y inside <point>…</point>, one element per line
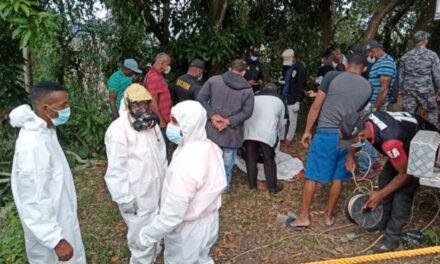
<point>238,65</point>
<point>43,89</point>
<point>270,87</point>
<point>357,59</point>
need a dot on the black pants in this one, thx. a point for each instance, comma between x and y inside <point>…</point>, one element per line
<point>253,150</point>
<point>397,206</point>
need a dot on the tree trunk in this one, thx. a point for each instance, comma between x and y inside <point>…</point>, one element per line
<point>27,69</point>
<point>328,14</point>
<point>217,9</point>
<point>424,21</point>
<point>383,8</point>
<point>160,27</point>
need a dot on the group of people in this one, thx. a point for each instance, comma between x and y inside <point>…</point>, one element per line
<point>179,201</point>
<point>352,115</point>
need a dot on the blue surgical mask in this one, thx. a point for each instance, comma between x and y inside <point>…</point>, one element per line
<point>63,116</point>
<point>174,134</point>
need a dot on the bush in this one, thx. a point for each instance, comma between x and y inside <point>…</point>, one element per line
<point>84,132</point>
<point>12,249</point>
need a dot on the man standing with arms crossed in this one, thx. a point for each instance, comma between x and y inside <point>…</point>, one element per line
<point>229,101</point>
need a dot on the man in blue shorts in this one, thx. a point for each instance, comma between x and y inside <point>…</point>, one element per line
<point>340,93</point>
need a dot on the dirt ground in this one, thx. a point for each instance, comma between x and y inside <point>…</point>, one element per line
<point>249,230</point>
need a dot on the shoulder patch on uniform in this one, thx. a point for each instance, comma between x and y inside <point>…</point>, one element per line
<point>381,125</point>
<point>184,85</point>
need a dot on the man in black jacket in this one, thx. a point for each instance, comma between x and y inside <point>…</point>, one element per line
<point>292,90</point>
<point>254,72</point>
<point>188,85</point>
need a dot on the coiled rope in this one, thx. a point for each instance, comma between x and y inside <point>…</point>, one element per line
<point>383,256</point>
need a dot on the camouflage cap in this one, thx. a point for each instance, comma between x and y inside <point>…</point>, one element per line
<point>421,35</point>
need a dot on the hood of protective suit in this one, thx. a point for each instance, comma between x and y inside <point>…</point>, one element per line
<point>24,117</point>
<point>235,81</point>
<point>192,120</point>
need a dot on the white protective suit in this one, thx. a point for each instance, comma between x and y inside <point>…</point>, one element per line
<point>191,195</point>
<point>136,168</point>
<point>43,189</point>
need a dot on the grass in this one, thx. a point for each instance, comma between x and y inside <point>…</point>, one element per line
<point>249,231</point>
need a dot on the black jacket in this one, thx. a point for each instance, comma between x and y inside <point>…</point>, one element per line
<point>297,83</point>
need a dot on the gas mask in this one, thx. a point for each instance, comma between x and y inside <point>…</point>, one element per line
<point>144,119</point>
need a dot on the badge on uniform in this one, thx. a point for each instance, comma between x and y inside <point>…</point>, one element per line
<point>293,74</point>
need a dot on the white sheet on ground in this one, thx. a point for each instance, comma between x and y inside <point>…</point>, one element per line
<point>287,166</point>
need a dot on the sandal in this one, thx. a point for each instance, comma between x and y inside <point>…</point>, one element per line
<point>333,221</point>
<point>298,228</point>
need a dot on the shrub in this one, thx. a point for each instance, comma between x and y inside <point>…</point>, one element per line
<point>12,249</point>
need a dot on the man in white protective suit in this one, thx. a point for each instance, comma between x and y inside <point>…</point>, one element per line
<point>41,180</point>
<point>136,167</point>
<point>191,195</point>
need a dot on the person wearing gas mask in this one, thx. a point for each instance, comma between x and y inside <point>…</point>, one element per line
<point>188,85</point>
<point>41,180</point>
<point>157,86</point>
<point>119,81</point>
<point>254,73</point>
<point>136,167</point>
<point>191,196</point>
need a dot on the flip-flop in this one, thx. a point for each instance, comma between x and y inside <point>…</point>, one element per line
<point>298,228</point>
<point>333,220</point>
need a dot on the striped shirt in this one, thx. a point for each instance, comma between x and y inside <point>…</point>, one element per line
<point>385,66</point>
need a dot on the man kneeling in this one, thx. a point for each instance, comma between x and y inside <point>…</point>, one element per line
<point>391,134</point>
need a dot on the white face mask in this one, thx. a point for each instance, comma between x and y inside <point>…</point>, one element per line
<point>200,77</point>
<point>167,69</point>
<point>371,59</point>
<point>254,58</point>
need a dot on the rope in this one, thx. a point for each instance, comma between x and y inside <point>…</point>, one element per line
<point>383,256</point>
<point>359,188</point>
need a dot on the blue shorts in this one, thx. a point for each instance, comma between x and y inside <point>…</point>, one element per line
<point>325,160</point>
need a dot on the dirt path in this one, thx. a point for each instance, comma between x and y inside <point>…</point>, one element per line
<point>249,232</point>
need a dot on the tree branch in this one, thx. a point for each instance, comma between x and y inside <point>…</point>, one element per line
<point>383,8</point>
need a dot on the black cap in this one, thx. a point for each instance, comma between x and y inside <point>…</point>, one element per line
<point>198,63</point>
<point>349,127</point>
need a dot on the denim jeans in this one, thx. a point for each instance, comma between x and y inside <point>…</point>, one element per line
<point>363,160</point>
<point>229,157</point>
<point>396,206</point>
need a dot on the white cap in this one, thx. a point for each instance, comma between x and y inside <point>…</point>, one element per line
<point>288,55</point>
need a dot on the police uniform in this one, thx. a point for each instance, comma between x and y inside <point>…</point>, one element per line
<point>186,87</point>
<point>254,72</point>
<point>393,132</point>
<point>419,76</point>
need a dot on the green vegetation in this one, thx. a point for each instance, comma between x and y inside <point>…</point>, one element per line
<point>66,41</point>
